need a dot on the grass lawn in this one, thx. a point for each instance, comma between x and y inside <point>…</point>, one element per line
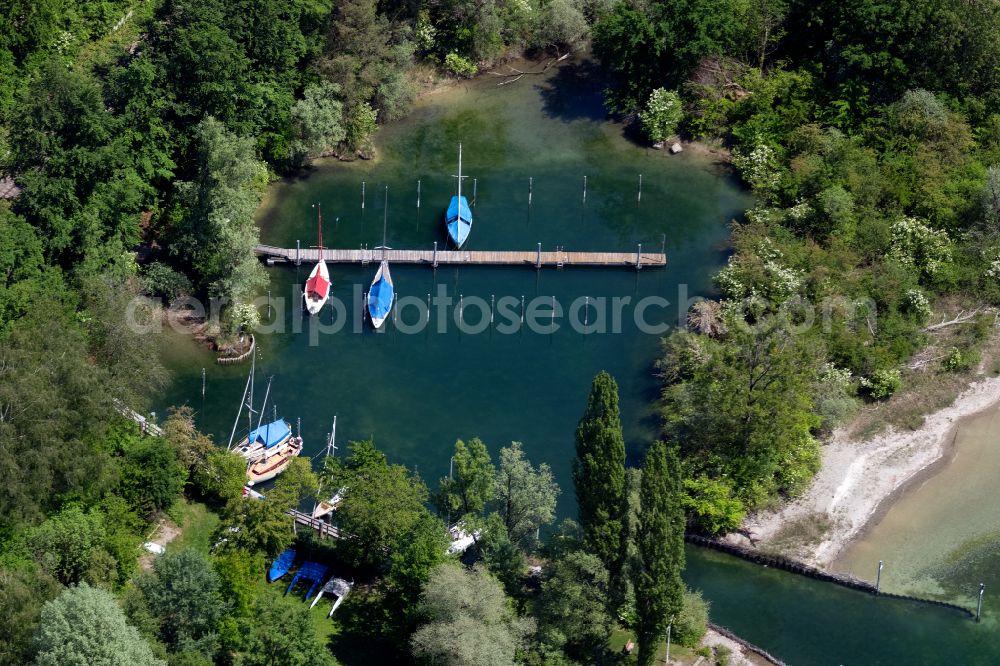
<point>678,653</point>
<point>323,627</point>
<point>196,523</point>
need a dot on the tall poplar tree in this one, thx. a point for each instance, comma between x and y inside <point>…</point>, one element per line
<point>599,473</point>
<point>659,592</point>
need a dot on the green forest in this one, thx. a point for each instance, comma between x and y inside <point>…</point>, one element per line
<point>869,133</point>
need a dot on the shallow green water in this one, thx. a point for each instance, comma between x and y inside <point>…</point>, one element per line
<point>417,393</point>
<point>942,538</point>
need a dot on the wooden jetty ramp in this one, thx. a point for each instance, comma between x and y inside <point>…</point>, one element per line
<point>535,258</point>
<point>323,528</point>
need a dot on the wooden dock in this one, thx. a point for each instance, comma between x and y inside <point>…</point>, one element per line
<point>323,528</point>
<point>146,427</point>
<point>435,257</point>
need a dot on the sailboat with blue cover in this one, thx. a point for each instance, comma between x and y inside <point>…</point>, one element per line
<point>458,219</point>
<point>382,292</point>
<point>268,448</point>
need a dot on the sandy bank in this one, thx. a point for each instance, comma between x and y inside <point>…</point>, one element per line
<point>858,481</point>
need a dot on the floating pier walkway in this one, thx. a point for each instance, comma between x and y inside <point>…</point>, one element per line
<point>536,258</point>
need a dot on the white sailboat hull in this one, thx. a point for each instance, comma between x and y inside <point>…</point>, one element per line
<point>313,302</point>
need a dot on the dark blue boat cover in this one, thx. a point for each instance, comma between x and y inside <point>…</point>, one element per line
<point>270,434</point>
<point>380,298</point>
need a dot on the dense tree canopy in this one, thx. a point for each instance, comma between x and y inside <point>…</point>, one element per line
<point>469,622</point>
<point>85,626</point>
<point>525,497</point>
<point>572,609</point>
<point>383,504</point>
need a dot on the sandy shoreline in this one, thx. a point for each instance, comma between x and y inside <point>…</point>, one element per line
<point>859,481</point>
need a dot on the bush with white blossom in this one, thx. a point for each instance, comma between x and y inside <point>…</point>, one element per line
<point>243,318</point>
<point>993,272</point>
<point>917,304</point>
<point>737,280</point>
<point>915,243</point>
<point>662,115</point>
<point>757,165</point>
<point>882,383</point>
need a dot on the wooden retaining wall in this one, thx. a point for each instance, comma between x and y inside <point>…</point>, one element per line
<point>792,566</point>
<point>746,645</point>
<point>230,360</point>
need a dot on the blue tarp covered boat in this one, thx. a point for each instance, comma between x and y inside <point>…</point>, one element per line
<point>458,219</point>
<point>382,291</point>
<point>270,434</point>
<point>381,295</point>
<point>281,565</point>
<point>311,572</point>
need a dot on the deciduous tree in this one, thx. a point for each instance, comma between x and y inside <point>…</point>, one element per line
<point>470,486</point>
<point>572,609</point>
<point>469,620</point>
<point>85,626</point>
<point>525,497</point>
<point>182,594</point>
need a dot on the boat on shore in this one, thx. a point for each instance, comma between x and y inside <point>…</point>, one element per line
<point>337,587</point>
<point>317,291</point>
<point>281,565</point>
<point>382,291</point>
<point>458,219</point>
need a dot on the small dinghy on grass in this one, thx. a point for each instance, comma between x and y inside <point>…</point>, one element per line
<point>339,588</point>
<point>281,565</point>
<point>310,572</point>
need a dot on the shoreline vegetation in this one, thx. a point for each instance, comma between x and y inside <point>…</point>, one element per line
<point>874,154</point>
<point>859,481</point>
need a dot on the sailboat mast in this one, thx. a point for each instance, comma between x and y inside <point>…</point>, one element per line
<point>243,402</point>
<point>332,444</point>
<point>264,405</point>
<point>459,181</point>
<point>319,208</point>
<point>385,219</point>
<point>253,365</point>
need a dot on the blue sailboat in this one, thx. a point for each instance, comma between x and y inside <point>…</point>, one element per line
<point>382,291</point>
<point>458,219</point>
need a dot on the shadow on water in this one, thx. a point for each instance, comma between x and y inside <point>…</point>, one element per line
<point>575,93</point>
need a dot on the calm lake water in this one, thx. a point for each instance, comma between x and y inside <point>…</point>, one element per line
<point>416,393</point>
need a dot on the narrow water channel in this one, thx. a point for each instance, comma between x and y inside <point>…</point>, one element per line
<point>417,392</point>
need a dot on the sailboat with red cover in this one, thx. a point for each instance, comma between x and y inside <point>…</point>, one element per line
<point>317,290</point>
